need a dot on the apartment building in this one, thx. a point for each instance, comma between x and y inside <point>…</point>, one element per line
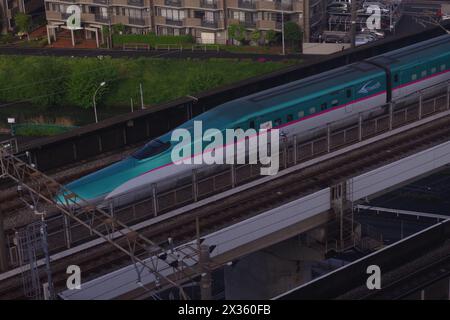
<point>9,8</point>
<point>206,20</point>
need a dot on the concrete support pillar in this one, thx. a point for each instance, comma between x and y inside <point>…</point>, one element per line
<point>328,137</point>
<point>3,248</point>
<point>72,35</point>
<point>391,115</point>
<point>49,39</point>
<point>448,95</point>
<point>272,271</point>
<point>205,279</point>
<point>96,39</point>
<point>155,199</point>
<point>420,104</point>
<point>194,185</point>
<point>360,119</point>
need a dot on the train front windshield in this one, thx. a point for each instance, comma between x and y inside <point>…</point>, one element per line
<point>151,149</point>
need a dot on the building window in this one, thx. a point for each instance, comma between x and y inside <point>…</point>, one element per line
<point>433,70</point>
<point>424,73</point>
<point>289,117</point>
<point>443,67</point>
<point>172,14</point>
<point>312,110</point>
<point>323,106</point>
<point>414,77</point>
<point>301,114</point>
<point>349,93</point>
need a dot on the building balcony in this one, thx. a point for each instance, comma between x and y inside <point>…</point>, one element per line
<point>100,18</point>
<point>297,6</point>
<point>248,24</point>
<point>174,22</point>
<point>209,24</point>
<point>266,24</point>
<point>173,3</point>
<point>192,22</point>
<point>245,4</point>
<point>137,21</point>
<point>65,15</point>
<point>273,5</point>
<point>52,15</point>
<point>208,4</point>
<point>136,3</point>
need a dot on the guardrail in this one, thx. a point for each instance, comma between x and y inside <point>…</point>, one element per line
<point>181,47</point>
<point>136,46</point>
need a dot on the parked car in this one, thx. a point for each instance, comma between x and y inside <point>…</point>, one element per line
<point>338,7</point>
<point>377,33</point>
<point>383,8</point>
<point>363,38</point>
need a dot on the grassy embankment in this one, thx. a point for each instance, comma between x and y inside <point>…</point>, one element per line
<point>59,90</point>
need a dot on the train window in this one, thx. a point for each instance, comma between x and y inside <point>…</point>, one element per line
<point>312,110</point>
<point>443,66</point>
<point>252,124</point>
<point>433,70</point>
<point>334,103</point>
<point>414,77</point>
<point>424,73</point>
<point>396,77</point>
<point>301,114</point>
<point>151,149</point>
<point>289,117</point>
<point>323,106</point>
<point>349,93</point>
<point>277,122</point>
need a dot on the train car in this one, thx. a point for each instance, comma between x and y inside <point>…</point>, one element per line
<point>294,108</point>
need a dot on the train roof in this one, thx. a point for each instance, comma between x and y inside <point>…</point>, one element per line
<point>231,113</point>
<point>411,54</point>
<point>288,94</point>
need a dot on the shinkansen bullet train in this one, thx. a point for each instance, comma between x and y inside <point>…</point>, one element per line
<point>297,107</point>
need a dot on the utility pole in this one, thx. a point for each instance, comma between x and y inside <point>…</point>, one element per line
<point>282,31</point>
<point>353,22</point>
<point>142,96</point>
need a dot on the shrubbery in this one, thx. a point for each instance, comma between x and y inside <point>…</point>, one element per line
<point>151,39</point>
<point>46,83</point>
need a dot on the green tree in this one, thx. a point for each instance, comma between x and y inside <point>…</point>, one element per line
<point>49,90</point>
<point>107,35</point>
<point>199,80</point>
<point>118,28</point>
<point>85,77</point>
<point>236,32</point>
<point>255,35</point>
<point>270,36</point>
<point>23,22</point>
<point>293,35</point>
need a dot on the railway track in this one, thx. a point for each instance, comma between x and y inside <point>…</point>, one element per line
<point>104,258</point>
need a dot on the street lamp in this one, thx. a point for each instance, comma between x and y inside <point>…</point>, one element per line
<point>95,105</point>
